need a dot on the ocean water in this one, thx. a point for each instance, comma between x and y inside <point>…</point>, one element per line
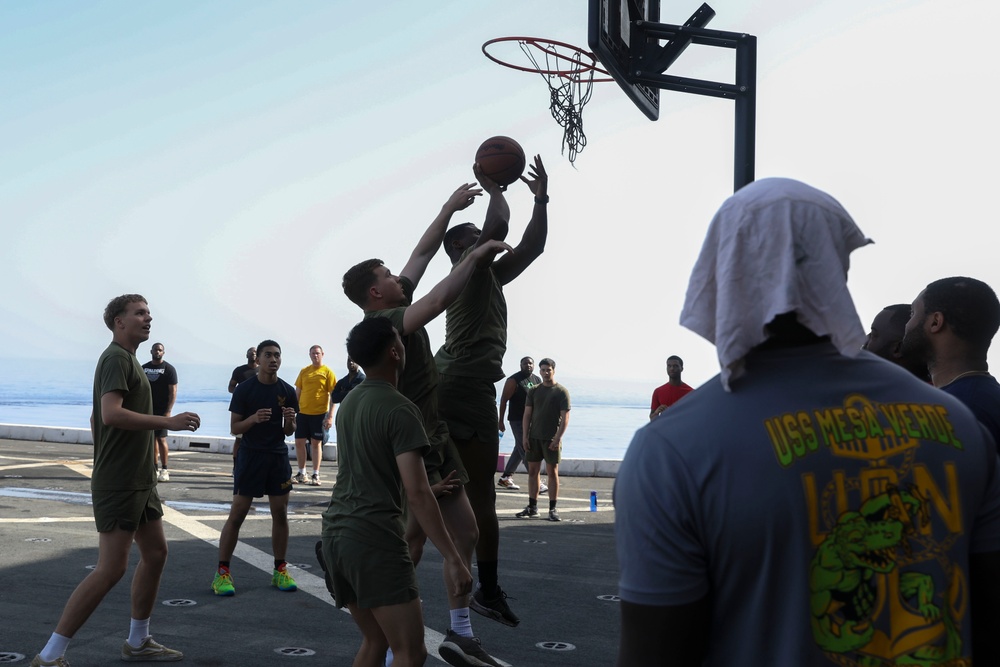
<point>604,416</point>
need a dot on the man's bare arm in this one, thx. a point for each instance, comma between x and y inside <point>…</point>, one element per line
<point>660,636</point>
<point>563,423</point>
<point>532,243</point>
<point>496,224</point>
<point>432,304</point>
<point>115,414</point>
<point>430,242</point>
<point>508,391</point>
<point>424,506</point>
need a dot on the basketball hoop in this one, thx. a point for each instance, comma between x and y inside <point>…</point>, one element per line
<point>569,73</point>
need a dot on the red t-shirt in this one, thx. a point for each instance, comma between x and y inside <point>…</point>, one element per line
<point>669,394</point>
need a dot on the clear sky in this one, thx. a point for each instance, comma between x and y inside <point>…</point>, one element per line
<point>229,160</point>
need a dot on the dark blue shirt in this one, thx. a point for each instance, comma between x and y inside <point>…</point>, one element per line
<point>250,396</point>
<point>981,393</point>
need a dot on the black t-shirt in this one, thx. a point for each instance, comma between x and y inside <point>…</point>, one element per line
<point>160,377</point>
<point>515,404</point>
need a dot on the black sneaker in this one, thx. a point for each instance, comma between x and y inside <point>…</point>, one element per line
<point>465,652</point>
<point>322,566</point>
<point>554,515</point>
<point>528,512</point>
<point>495,608</point>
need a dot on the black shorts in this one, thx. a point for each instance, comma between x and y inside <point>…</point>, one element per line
<point>258,473</point>
<point>160,433</point>
<point>309,427</point>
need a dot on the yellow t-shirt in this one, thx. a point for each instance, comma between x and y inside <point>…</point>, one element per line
<point>314,385</point>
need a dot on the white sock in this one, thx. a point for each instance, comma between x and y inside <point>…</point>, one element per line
<point>137,631</point>
<point>302,471</point>
<point>460,623</point>
<point>56,648</point>
<point>388,658</point>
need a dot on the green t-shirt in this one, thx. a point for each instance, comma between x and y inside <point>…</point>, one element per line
<point>375,423</point>
<point>475,337</point>
<point>547,404</point>
<point>420,376</point>
<point>123,460</point>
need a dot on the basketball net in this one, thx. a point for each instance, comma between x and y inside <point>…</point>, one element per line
<point>571,81</point>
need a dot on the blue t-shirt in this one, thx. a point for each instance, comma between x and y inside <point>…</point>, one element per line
<point>981,393</point>
<point>827,506</point>
<point>250,396</point>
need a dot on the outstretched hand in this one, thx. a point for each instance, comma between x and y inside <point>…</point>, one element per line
<point>539,181</point>
<point>484,253</point>
<point>463,197</point>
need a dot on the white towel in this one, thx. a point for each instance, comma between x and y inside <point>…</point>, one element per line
<point>776,246</point>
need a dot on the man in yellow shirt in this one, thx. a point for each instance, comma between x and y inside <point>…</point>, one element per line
<point>312,388</point>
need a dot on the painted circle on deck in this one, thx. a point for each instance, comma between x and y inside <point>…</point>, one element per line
<point>296,651</point>
<point>609,598</point>
<point>6,657</point>
<point>555,646</point>
<point>179,602</point>
<point>535,542</point>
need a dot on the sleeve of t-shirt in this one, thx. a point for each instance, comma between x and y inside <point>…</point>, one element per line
<point>662,561</point>
<point>237,404</point>
<point>406,429</point>
<point>986,533</point>
<point>565,401</point>
<point>171,375</point>
<point>291,401</point>
<point>529,399</point>
<point>114,374</point>
<point>298,379</point>
<point>654,403</point>
<point>331,382</point>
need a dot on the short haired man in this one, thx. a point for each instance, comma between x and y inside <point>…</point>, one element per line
<point>515,391</point>
<point>380,447</point>
<point>313,387</point>
<point>674,390</point>
<point>379,293</point>
<point>952,325</point>
<point>354,377</point>
<point>885,339</point>
<point>262,410</point>
<point>811,505</point>
<point>546,417</point>
<point>162,378</point>
<point>471,362</point>
<point>123,489</point>
<point>241,373</point>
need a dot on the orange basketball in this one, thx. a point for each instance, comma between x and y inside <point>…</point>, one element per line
<point>502,159</point>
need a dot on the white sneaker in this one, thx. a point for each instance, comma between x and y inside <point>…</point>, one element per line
<point>543,488</point>
<point>507,483</point>
<point>163,476</point>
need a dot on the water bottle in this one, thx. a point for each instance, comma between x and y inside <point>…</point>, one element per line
<point>593,501</point>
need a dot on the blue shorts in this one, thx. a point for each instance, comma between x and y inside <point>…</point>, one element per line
<point>309,427</point>
<point>258,473</point>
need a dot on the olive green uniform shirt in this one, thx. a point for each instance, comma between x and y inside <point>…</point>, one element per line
<point>547,404</point>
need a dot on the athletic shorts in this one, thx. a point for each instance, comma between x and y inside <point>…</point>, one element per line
<point>309,426</point>
<point>125,509</point>
<point>258,473</point>
<point>160,433</point>
<point>540,450</point>
<point>469,405</point>
<point>368,576</point>
<point>443,456</point>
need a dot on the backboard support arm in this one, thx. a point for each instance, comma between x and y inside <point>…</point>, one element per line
<point>647,50</point>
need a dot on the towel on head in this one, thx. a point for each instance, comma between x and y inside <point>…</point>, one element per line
<point>776,246</point>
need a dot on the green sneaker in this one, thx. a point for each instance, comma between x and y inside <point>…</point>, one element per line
<point>283,581</point>
<point>223,584</point>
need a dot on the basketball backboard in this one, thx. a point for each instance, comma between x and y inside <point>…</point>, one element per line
<point>610,37</point>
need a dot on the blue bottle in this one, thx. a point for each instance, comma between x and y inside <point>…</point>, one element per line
<point>593,501</point>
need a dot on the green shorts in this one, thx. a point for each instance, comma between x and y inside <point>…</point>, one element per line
<point>539,451</point>
<point>469,405</point>
<point>368,576</point>
<point>125,509</point>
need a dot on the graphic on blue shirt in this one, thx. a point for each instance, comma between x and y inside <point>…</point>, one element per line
<point>882,586</point>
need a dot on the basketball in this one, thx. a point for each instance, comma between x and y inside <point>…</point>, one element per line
<point>502,159</point>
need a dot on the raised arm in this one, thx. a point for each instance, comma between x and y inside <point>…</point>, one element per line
<point>445,292</point>
<point>430,242</point>
<point>533,241</point>
<point>497,221</point>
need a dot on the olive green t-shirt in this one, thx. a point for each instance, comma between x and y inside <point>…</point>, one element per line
<point>547,404</point>
<point>375,423</point>
<point>475,337</point>
<point>420,376</point>
<point>123,460</point>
